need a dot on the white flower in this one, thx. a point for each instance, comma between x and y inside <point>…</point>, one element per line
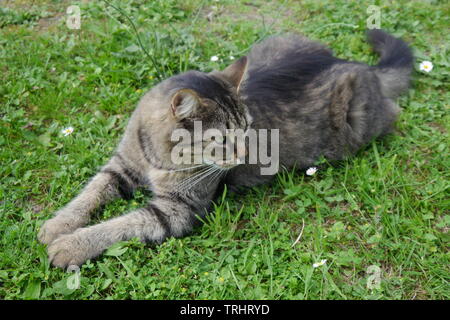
<point>214,58</point>
<point>321,263</point>
<point>232,57</point>
<point>311,171</point>
<point>426,66</point>
<point>67,131</point>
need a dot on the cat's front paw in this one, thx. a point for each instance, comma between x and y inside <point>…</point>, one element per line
<point>52,228</point>
<point>69,249</point>
<point>56,226</point>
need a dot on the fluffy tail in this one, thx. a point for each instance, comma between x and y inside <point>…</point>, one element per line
<point>396,63</point>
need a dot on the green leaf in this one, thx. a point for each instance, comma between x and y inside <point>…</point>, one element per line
<point>116,250</point>
<point>374,239</point>
<point>33,290</point>
<point>132,48</point>
<point>428,216</point>
<point>105,284</point>
<point>430,237</point>
<point>44,139</point>
<point>61,287</point>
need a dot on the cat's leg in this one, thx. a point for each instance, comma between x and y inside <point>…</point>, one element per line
<point>245,176</point>
<point>115,179</point>
<point>165,216</point>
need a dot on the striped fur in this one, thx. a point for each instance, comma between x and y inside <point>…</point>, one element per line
<point>323,106</point>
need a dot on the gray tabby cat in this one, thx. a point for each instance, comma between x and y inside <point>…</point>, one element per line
<point>322,106</point>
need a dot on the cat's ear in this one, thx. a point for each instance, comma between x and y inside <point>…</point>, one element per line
<point>235,72</point>
<point>184,103</point>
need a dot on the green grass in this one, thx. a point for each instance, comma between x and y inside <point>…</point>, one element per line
<point>386,207</point>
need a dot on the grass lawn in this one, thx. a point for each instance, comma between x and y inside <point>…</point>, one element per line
<point>382,215</point>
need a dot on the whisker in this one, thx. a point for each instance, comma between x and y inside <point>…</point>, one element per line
<point>193,176</point>
<point>219,172</point>
<point>190,168</point>
<point>217,176</point>
<point>204,174</point>
<point>188,180</point>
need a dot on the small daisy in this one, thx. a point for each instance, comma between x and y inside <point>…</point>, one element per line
<point>426,66</point>
<point>319,264</point>
<point>67,131</point>
<point>214,58</point>
<point>311,171</point>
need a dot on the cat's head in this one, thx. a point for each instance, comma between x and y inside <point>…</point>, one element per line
<point>207,106</point>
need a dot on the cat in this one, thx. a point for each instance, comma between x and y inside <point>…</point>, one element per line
<point>320,106</point>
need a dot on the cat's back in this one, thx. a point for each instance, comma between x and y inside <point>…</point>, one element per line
<point>274,49</point>
<point>280,69</point>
